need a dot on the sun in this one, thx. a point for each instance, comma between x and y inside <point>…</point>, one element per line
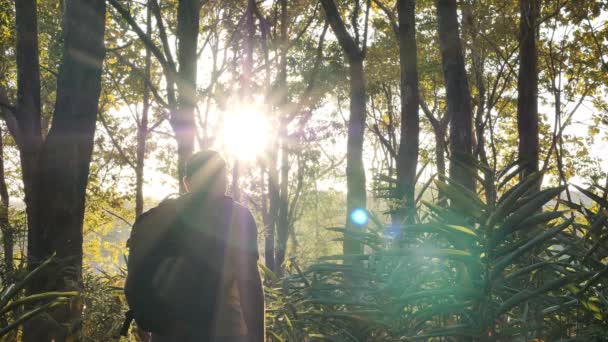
<point>245,132</point>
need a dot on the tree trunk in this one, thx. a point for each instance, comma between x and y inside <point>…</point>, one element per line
<point>407,159</point>
<point>28,117</point>
<point>457,91</point>
<point>182,120</point>
<point>440,160</point>
<point>273,192</point>
<point>65,157</point>
<point>283,221</point>
<point>355,172</point>
<point>142,128</point>
<point>527,88</point>
<point>5,227</point>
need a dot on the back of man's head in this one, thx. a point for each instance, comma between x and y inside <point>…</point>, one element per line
<point>206,173</point>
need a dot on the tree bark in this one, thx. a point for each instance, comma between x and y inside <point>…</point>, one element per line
<point>28,134</point>
<point>65,157</point>
<point>182,120</point>
<point>142,127</point>
<point>273,210</point>
<point>283,221</point>
<point>407,158</point>
<point>457,91</point>
<point>527,88</point>
<point>355,172</point>
<point>5,227</point>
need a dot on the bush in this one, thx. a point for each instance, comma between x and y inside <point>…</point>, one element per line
<point>480,271</point>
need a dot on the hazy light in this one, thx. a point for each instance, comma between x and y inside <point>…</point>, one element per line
<point>245,132</point>
<point>359,217</point>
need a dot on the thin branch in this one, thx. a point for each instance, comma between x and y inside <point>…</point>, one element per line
<point>383,140</point>
<point>114,142</point>
<point>118,216</point>
<point>337,24</point>
<point>162,32</point>
<point>7,111</point>
<point>390,15</point>
<point>126,15</point>
<point>146,80</point>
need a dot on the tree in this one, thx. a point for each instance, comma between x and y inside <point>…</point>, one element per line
<point>183,75</point>
<point>457,92</point>
<point>407,159</point>
<point>188,19</point>
<point>527,88</point>
<point>55,168</point>
<point>355,172</point>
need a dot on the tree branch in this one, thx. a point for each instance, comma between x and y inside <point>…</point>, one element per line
<point>162,32</point>
<point>391,16</point>
<point>126,15</point>
<point>337,25</point>
<point>7,111</point>
<point>114,142</point>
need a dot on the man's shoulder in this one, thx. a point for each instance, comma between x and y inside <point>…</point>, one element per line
<point>240,208</point>
<point>162,209</point>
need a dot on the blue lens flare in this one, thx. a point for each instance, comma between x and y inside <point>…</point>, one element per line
<point>359,217</point>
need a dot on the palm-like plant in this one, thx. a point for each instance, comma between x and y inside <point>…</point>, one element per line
<point>12,303</point>
<point>483,271</point>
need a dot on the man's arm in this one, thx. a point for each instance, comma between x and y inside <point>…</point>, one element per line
<point>249,282</point>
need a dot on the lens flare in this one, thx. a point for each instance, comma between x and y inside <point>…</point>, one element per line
<point>245,132</point>
<point>359,217</point>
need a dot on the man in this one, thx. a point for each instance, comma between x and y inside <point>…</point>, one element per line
<point>220,235</point>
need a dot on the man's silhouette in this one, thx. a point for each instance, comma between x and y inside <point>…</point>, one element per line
<point>220,235</point>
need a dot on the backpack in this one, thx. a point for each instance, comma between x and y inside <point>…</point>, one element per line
<point>175,264</point>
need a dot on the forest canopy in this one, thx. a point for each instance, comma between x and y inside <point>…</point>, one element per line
<point>418,169</point>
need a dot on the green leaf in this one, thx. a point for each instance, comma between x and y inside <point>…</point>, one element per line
<point>461,330</point>
<point>599,200</point>
<point>507,201</point>
<point>532,221</point>
<point>448,253</point>
<point>526,294</point>
<point>462,229</point>
<point>529,207</point>
<point>441,228</point>
<point>534,242</point>
<point>462,293</point>
<point>464,197</point>
<point>279,338</point>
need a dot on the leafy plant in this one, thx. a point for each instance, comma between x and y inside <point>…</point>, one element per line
<point>513,268</point>
<point>16,309</point>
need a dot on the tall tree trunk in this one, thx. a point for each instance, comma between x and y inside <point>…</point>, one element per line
<point>527,88</point>
<point>440,160</point>
<point>274,197</point>
<point>457,90</point>
<point>142,128</point>
<point>66,154</point>
<point>5,227</point>
<point>283,221</point>
<point>355,172</point>
<point>182,120</point>
<point>407,158</point>
<point>28,117</point>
